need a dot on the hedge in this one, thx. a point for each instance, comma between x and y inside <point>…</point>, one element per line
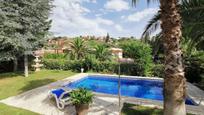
<point>95,66</point>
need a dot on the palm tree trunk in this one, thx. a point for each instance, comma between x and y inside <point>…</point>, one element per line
<point>174,81</point>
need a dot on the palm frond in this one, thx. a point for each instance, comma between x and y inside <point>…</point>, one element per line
<point>152,25</point>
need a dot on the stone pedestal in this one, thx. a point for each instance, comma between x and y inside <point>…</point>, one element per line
<point>37,65</point>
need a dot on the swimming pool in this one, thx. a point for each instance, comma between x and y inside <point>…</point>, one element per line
<point>140,88</point>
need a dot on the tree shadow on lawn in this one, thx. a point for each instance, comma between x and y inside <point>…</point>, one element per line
<point>131,109</point>
<point>36,83</point>
<point>14,74</point>
<point>10,74</point>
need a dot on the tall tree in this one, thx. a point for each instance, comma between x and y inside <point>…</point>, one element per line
<point>107,39</point>
<point>21,29</point>
<point>174,80</point>
<point>10,45</point>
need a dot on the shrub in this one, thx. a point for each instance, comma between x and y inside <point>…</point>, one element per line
<point>141,53</point>
<point>54,56</point>
<point>102,53</point>
<point>53,64</point>
<point>108,67</point>
<point>75,65</point>
<point>81,96</point>
<point>94,65</point>
<point>88,62</point>
<point>194,67</point>
<point>158,70</point>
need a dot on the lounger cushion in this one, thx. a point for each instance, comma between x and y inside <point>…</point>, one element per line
<point>58,92</point>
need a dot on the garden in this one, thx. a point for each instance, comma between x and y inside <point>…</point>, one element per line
<point>31,57</point>
<point>95,56</point>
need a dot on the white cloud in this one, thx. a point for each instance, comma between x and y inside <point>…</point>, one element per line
<point>104,21</point>
<point>118,27</point>
<point>117,5</point>
<point>138,16</point>
<point>75,17</point>
<point>69,19</point>
<point>98,15</point>
<point>122,17</point>
<point>93,1</point>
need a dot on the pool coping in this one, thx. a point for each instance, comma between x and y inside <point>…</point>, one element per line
<point>193,92</point>
<point>148,102</point>
<point>197,110</point>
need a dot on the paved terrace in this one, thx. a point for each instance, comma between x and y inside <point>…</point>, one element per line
<point>103,104</point>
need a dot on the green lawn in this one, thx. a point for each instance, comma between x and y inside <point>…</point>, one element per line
<point>131,109</point>
<point>14,83</point>
<point>8,110</point>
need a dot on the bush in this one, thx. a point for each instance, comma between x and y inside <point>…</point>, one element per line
<point>81,96</point>
<point>94,65</point>
<point>194,67</point>
<point>158,70</point>
<point>107,67</point>
<point>141,53</point>
<point>53,64</point>
<point>54,56</point>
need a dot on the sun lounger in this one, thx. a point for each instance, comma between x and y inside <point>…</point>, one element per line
<point>61,96</point>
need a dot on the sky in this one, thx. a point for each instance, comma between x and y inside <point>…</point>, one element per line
<point>99,17</point>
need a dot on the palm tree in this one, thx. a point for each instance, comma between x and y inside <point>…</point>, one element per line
<point>102,53</point>
<point>174,80</point>
<point>192,23</point>
<point>78,48</point>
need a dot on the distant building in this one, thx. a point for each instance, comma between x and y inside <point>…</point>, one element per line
<point>117,52</point>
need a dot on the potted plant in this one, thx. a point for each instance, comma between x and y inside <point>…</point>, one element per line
<point>81,98</point>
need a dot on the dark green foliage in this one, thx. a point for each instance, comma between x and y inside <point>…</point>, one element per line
<point>194,67</point>
<point>107,38</point>
<point>5,66</point>
<point>23,26</point>
<point>158,70</point>
<point>192,14</point>
<point>78,48</point>
<point>60,64</point>
<point>81,96</point>
<point>102,52</point>
<point>140,52</point>
<point>106,67</point>
<point>55,56</point>
<point>89,62</point>
<point>54,64</point>
<point>94,65</point>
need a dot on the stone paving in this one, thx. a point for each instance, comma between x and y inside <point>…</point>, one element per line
<point>36,100</point>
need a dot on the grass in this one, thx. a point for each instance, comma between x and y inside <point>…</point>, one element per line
<point>12,84</point>
<point>131,109</point>
<point>8,110</point>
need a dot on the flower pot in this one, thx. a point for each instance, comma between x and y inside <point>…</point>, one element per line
<point>82,109</point>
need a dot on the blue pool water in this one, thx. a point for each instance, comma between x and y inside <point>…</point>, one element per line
<point>140,88</point>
